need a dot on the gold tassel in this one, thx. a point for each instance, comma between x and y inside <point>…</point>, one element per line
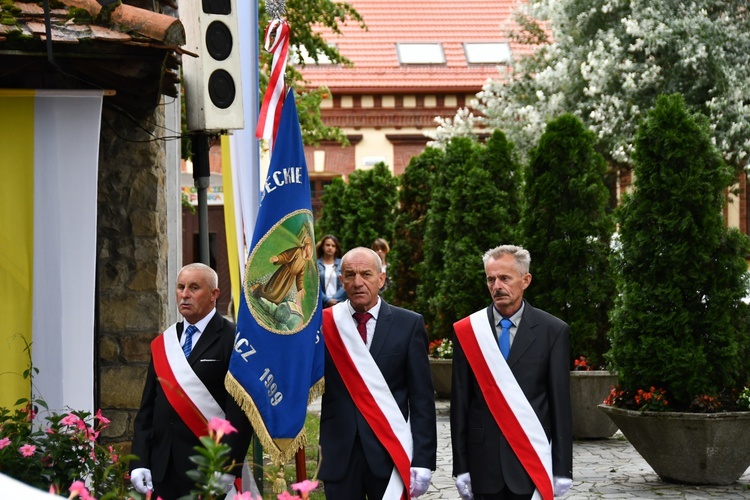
<point>279,485</point>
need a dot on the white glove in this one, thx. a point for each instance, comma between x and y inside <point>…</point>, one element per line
<point>141,480</point>
<point>463,485</point>
<point>420,481</point>
<point>562,485</point>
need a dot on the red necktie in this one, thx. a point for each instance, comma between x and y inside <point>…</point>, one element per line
<point>362,319</point>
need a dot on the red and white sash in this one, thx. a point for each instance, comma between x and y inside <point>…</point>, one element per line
<point>184,390</point>
<point>506,401</point>
<point>370,393</point>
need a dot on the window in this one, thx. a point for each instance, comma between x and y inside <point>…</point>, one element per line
<point>487,53</point>
<point>420,53</point>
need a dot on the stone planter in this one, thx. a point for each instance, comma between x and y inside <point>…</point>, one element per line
<point>442,371</point>
<point>587,391</point>
<point>688,448</point>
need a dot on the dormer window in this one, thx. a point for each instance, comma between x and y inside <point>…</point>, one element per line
<point>420,53</point>
<point>487,53</point>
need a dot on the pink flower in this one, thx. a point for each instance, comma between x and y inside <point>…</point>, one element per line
<point>245,496</point>
<point>305,486</point>
<point>78,488</point>
<point>70,419</point>
<point>102,419</point>
<point>112,455</point>
<point>4,442</point>
<point>287,496</point>
<point>220,427</point>
<point>50,430</point>
<point>27,450</point>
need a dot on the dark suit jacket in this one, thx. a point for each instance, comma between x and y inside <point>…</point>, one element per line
<point>539,359</point>
<point>399,347</point>
<point>159,433</point>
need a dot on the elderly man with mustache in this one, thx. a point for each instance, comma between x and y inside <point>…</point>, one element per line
<point>511,423</point>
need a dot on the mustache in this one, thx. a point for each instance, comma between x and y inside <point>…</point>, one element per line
<point>499,293</point>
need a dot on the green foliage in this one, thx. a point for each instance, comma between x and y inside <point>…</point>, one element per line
<point>331,220</point>
<point>678,321</point>
<point>408,233</point>
<point>566,228</point>
<point>60,450</point>
<point>457,154</point>
<point>305,18</point>
<point>475,206</point>
<point>368,206</point>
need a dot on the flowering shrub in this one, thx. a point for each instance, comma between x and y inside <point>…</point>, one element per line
<point>744,398</point>
<point>581,364</point>
<point>59,449</point>
<point>652,400</point>
<point>441,349</point>
<point>705,404</point>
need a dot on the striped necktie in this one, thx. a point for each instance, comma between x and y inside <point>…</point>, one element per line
<point>188,345</point>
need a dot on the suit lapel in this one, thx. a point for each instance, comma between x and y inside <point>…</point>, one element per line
<point>382,328</point>
<point>207,338</point>
<point>525,336</point>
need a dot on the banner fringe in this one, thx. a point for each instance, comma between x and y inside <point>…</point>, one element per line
<point>277,455</point>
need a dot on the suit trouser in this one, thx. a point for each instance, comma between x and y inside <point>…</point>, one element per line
<point>359,483</point>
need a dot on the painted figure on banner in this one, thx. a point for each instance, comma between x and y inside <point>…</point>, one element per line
<point>281,295</point>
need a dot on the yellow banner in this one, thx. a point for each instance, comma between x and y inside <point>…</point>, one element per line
<point>16,242</point>
<point>230,224</point>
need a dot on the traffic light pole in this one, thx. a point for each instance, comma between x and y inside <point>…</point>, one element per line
<point>202,179</point>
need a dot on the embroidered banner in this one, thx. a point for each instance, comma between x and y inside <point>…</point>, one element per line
<point>276,368</point>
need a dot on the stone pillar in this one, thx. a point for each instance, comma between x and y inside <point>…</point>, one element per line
<point>132,261</point>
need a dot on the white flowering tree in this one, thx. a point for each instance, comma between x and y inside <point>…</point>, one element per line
<point>608,62</point>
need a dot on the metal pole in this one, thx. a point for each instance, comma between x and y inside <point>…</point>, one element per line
<point>202,179</point>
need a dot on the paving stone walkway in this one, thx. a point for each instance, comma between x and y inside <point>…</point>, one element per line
<point>607,468</point>
<point>602,469</point>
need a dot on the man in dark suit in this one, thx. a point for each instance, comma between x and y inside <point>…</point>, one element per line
<point>165,429</point>
<point>485,459</point>
<point>377,372</point>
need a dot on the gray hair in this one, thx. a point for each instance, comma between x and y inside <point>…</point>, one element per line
<point>211,277</point>
<point>520,255</point>
<point>372,253</point>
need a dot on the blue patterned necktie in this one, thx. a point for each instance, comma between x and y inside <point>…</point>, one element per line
<point>188,345</point>
<point>504,342</point>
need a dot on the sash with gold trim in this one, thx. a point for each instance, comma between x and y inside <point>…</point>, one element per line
<point>371,394</point>
<point>506,401</point>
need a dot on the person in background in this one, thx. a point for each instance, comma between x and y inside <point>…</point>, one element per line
<point>381,247</point>
<point>378,427</point>
<point>512,352</point>
<point>329,254</point>
<point>188,362</point>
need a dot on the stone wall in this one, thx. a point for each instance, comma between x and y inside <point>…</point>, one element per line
<point>132,261</point>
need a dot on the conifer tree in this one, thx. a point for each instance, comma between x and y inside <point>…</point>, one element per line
<point>483,213</point>
<point>332,216</point>
<point>408,234</point>
<point>369,204</point>
<point>457,154</point>
<point>678,321</point>
<point>567,229</point>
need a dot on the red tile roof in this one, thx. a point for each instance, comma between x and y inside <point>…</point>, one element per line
<point>450,22</point>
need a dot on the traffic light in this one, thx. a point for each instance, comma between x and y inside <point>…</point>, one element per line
<point>212,81</point>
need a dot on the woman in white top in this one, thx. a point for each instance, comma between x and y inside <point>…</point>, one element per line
<point>329,268</point>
